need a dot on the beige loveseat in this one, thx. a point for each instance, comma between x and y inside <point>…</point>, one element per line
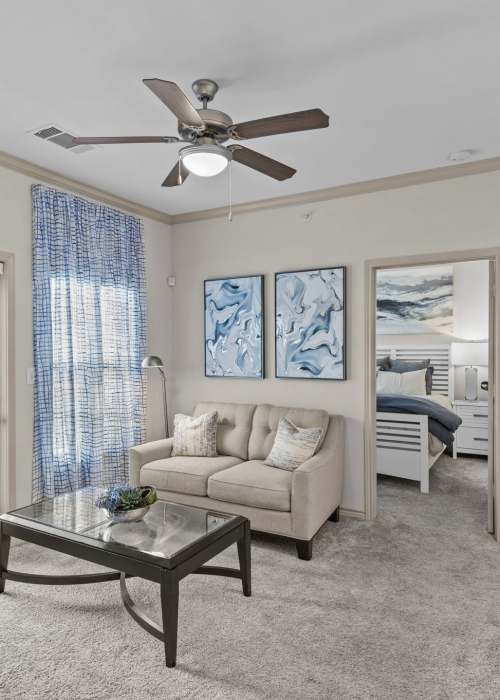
<point>291,504</point>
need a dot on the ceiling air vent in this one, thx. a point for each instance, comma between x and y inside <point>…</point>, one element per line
<point>47,132</point>
<point>61,138</point>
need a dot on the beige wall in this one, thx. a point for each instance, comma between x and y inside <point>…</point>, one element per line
<point>455,214</point>
<point>15,237</point>
<point>449,215</point>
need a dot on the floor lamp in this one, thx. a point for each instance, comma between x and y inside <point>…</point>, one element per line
<point>154,362</point>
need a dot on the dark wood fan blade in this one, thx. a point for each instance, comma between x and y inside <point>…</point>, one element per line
<point>176,176</point>
<point>263,164</point>
<point>172,96</point>
<point>124,139</point>
<point>281,124</point>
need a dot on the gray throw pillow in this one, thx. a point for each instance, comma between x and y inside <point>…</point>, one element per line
<point>384,363</point>
<point>195,437</point>
<point>293,445</point>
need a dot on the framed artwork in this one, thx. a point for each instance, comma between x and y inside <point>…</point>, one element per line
<point>310,330</point>
<point>234,327</point>
<point>415,300</point>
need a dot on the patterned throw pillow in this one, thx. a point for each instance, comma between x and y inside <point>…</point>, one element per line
<point>195,437</point>
<point>293,445</point>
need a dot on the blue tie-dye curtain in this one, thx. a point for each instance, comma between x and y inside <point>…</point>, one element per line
<point>88,341</point>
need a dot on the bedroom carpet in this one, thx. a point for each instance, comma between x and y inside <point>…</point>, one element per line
<point>403,607</point>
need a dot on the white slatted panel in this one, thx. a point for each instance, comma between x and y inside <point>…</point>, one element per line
<point>399,435</point>
<point>439,355</point>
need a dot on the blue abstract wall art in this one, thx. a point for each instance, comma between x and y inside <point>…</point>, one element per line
<point>415,300</point>
<point>310,324</point>
<point>234,327</point>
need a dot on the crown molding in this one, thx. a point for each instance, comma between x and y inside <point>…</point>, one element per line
<point>392,182</point>
<point>52,178</point>
<point>418,177</point>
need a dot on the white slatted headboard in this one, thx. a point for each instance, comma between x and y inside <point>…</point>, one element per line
<point>439,355</point>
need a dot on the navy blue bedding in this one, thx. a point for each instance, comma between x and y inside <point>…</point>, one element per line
<point>442,422</point>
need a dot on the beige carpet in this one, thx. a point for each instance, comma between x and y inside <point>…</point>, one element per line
<point>404,607</point>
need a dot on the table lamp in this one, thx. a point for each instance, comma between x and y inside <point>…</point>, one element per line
<point>470,355</point>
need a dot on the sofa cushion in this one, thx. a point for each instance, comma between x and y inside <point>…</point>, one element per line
<point>234,426</point>
<point>252,484</point>
<point>265,424</point>
<point>184,474</point>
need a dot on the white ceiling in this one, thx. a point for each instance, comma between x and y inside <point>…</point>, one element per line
<point>404,82</point>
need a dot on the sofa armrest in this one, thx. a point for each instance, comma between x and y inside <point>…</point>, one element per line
<point>317,484</point>
<point>147,452</point>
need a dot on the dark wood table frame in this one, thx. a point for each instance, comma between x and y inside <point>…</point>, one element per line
<point>126,563</point>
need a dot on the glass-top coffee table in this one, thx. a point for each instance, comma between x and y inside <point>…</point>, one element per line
<point>171,542</point>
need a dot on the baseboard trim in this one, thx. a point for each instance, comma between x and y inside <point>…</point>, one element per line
<point>356,514</point>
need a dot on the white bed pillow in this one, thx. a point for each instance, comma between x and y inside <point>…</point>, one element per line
<point>412,383</point>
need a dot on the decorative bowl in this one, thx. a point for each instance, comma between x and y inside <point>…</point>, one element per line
<point>129,516</point>
<point>126,504</point>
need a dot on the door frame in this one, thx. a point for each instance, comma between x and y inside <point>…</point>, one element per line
<point>371,267</point>
<point>7,386</point>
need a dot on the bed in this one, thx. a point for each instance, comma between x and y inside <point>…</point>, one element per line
<point>405,446</point>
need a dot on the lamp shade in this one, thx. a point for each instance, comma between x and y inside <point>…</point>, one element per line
<point>470,354</point>
<point>151,361</point>
<point>155,362</point>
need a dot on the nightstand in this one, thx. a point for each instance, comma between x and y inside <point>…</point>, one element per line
<point>472,436</point>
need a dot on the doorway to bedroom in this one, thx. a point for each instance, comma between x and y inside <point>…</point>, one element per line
<point>432,344</point>
<point>7,412</point>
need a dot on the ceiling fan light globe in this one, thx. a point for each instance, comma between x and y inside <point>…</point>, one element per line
<point>205,161</point>
<point>205,164</point>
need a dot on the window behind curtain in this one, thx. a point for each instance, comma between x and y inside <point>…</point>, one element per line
<point>89,340</point>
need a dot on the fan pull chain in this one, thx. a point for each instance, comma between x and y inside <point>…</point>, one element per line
<point>230,174</point>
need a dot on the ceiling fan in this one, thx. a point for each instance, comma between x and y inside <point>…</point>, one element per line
<point>207,129</point>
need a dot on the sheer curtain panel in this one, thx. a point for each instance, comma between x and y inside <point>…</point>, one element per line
<point>88,341</point>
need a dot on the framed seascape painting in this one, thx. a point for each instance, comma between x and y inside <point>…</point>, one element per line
<point>415,300</point>
<point>310,324</point>
<point>234,327</point>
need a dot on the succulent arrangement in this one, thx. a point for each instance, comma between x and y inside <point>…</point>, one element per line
<point>123,498</point>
